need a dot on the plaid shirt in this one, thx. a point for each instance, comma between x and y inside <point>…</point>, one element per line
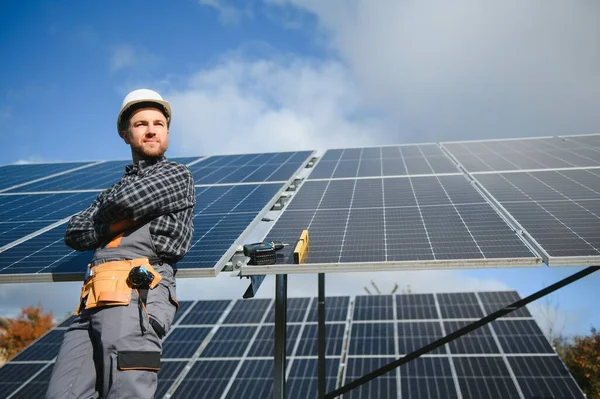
<point>157,190</point>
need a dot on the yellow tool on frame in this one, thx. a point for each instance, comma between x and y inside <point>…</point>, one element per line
<point>301,250</point>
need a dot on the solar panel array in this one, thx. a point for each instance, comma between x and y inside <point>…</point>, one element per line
<point>538,153</point>
<point>245,168</point>
<point>424,159</point>
<point>224,349</point>
<point>34,208</point>
<point>463,204</point>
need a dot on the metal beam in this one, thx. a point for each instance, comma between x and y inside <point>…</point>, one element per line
<point>280,335</point>
<point>322,367</point>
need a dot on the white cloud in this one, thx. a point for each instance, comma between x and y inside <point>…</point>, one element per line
<point>259,106</point>
<point>474,69</point>
<point>126,56</point>
<point>122,56</point>
<point>228,14</point>
<point>30,159</point>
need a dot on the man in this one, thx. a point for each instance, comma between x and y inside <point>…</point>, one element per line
<point>139,228</point>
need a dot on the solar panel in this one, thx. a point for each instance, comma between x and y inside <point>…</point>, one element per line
<point>590,140</point>
<point>36,388</point>
<point>559,209</point>
<point>97,177</point>
<point>46,348</point>
<point>484,377</point>
<point>416,306</point>
<point>205,353</point>
<point>543,377</point>
<point>477,341</point>
<point>222,214</point>
<point>229,342</point>
<point>493,301</point>
<point>336,309</point>
<point>386,386</point>
<point>383,161</point>
<point>13,375</point>
<point>413,219</point>
<point>372,339</point>
<point>254,380</point>
<point>521,336</point>
<point>208,377</point>
<point>302,382</point>
<point>535,153</point>
<point>31,241</point>
<point>167,375</point>
<point>41,257</point>
<point>412,336</point>
<point>205,312</point>
<point>248,312</point>
<point>227,169</point>
<point>21,215</point>
<point>459,305</point>
<point>14,175</point>
<point>334,334</point>
<point>263,343</point>
<point>296,310</point>
<point>182,343</point>
<point>373,308</point>
<point>428,377</point>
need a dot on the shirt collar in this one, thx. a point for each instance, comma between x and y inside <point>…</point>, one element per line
<point>143,164</point>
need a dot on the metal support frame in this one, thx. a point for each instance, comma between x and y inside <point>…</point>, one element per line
<point>322,366</point>
<point>280,335</point>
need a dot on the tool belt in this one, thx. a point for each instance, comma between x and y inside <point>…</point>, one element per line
<point>108,283</point>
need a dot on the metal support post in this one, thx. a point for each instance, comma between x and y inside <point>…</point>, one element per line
<point>280,335</point>
<point>321,339</point>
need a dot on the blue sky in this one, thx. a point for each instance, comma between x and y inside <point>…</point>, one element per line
<point>302,74</point>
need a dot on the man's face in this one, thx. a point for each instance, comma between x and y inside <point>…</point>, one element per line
<point>148,134</point>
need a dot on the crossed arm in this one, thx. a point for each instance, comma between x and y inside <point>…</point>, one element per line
<point>168,190</point>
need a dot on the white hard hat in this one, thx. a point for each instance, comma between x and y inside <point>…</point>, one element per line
<point>143,96</point>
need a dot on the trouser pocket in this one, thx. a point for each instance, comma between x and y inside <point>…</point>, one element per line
<point>138,360</point>
<point>161,306</point>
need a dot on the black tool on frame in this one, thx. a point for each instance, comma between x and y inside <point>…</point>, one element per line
<point>263,253</point>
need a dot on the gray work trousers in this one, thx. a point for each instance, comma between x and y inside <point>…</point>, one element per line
<point>109,352</point>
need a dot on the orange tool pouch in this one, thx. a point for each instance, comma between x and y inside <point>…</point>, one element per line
<point>108,285</point>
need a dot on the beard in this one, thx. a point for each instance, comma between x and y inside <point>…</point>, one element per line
<point>146,151</point>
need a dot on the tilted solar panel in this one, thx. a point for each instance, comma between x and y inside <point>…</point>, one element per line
<point>95,176</point>
<point>31,238</point>
<point>383,161</point>
<point>23,214</point>
<point>421,220</point>
<point>248,168</point>
<point>560,210</point>
<point>219,220</point>
<point>15,175</point>
<point>590,140</point>
<point>520,154</point>
<point>507,357</point>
